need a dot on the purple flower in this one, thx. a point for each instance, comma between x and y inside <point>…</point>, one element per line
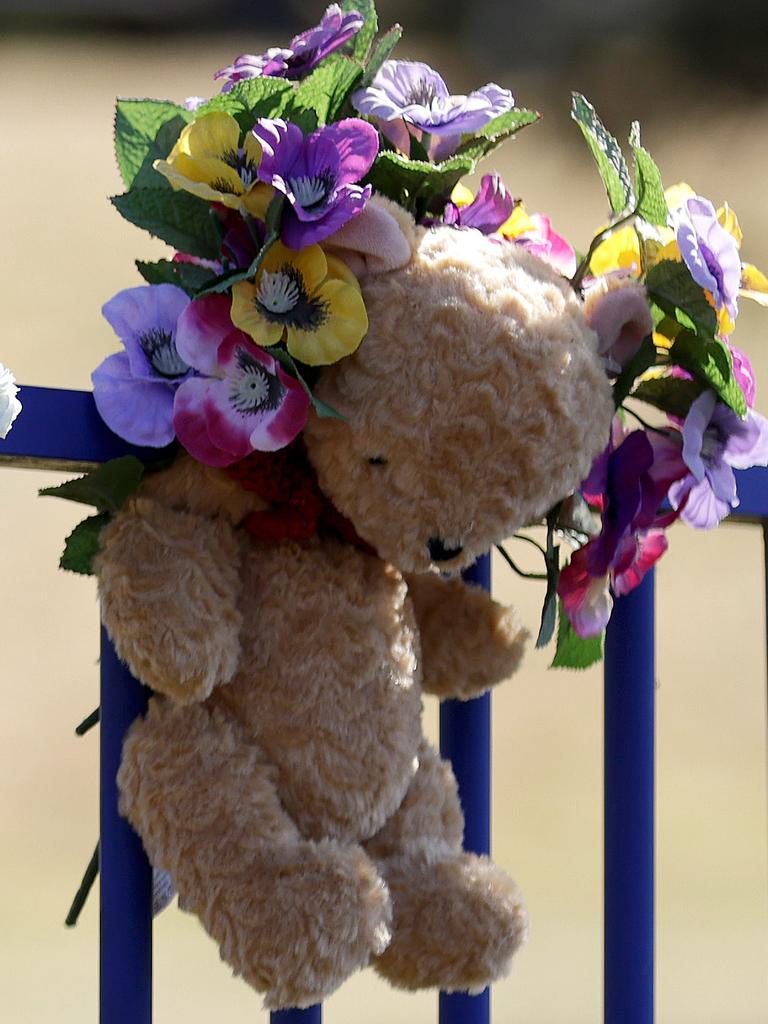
<point>243,400</point>
<point>410,93</point>
<point>715,442</point>
<point>710,252</point>
<point>303,54</point>
<point>134,389</point>
<point>487,212</point>
<point>316,174</point>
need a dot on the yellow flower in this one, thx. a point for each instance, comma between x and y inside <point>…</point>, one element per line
<point>620,251</point>
<point>209,162</point>
<point>754,284</point>
<point>517,223</point>
<point>310,299</point>
<point>461,195</point>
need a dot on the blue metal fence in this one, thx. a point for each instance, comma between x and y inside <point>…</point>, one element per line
<point>62,428</point>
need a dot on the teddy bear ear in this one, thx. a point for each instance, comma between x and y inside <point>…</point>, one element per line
<point>381,238</point>
<point>617,311</point>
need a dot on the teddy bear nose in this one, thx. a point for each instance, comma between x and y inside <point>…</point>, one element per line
<point>438,552</point>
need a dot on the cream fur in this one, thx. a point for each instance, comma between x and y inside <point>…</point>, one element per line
<point>280,775</point>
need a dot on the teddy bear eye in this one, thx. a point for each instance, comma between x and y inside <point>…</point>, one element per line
<point>377,460</point>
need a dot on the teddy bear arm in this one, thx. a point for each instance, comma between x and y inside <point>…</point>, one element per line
<point>169,587</point>
<point>469,642</point>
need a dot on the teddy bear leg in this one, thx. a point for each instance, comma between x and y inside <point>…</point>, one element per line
<point>294,917</point>
<point>457,918</point>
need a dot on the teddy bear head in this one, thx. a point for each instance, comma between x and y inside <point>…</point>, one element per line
<point>475,402</point>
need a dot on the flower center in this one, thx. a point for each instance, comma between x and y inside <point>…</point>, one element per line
<point>242,164</point>
<point>711,446</point>
<point>254,389</point>
<point>423,93</point>
<point>278,292</point>
<point>160,349</point>
<point>713,266</point>
<point>282,298</point>
<point>311,190</point>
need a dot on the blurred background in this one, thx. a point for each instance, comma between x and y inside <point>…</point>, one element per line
<point>694,74</point>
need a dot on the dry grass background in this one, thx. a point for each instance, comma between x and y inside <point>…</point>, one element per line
<point>64,251</point>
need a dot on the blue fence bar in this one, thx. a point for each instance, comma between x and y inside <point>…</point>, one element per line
<point>64,426</point>
<point>125,975</point>
<point>465,740</point>
<point>312,1015</point>
<point>629,809</point>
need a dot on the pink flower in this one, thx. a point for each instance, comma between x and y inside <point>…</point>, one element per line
<point>588,600</point>
<point>243,401</point>
<point>538,237</point>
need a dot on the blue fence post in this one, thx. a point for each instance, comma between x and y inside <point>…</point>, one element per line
<point>629,809</point>
<point>465,740</point>
<point>312,1015</point>
<point>125,975</point>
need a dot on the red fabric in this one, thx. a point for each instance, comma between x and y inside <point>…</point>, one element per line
<point>299,509</point>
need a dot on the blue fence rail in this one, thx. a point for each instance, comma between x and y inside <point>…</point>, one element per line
<point>62,429</point>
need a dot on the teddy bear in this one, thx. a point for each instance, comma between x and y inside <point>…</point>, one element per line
<point>280,775</point>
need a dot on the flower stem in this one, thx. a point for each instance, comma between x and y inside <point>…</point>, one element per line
<point>516,568</point>
<point>88,723</point>
<point>85,887</point>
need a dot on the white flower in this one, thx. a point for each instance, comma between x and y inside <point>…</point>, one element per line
<point>10,406</point>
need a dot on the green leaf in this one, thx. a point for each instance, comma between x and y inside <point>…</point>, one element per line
<point>573,651</point>
<point>642,360</point>
<point>672,288</point>
<point>178,218</point>
<point>82,545</point>
<point>327,89</point>
<point>188,276</point>
<point>495,132</point>
<point>107,487</point>
<point>361,43</point>
<point>670,394</point>
<point>606,152</point>
<point>251,99</point>
<point>145,131</point>
<point>651,201</point>
<point>407,181</point>
<point>711,363</point>
<point>381,53</point>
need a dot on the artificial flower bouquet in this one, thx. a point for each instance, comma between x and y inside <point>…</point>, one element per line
<point>254,191</point>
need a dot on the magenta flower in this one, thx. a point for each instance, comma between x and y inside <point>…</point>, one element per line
<point>744,374</point>
<point>243,401</point>
<point>303,53</point>
<point>588,599</point>
<point>408,95</point>
<point>489,209</point>
<point>628,482</point>
<point>134,390</point>
<point>715,442</point>
<point>710,252</point>
<point>545,243</point>
<point>317,174</point>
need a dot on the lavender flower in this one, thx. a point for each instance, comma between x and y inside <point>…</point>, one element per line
<point>411,93</point>
<point>710,252</point>
<point>489,209</point>
<point>302,55</point>
<point>134,390</point>
<point>317,174</point>
<point>715,442</point>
